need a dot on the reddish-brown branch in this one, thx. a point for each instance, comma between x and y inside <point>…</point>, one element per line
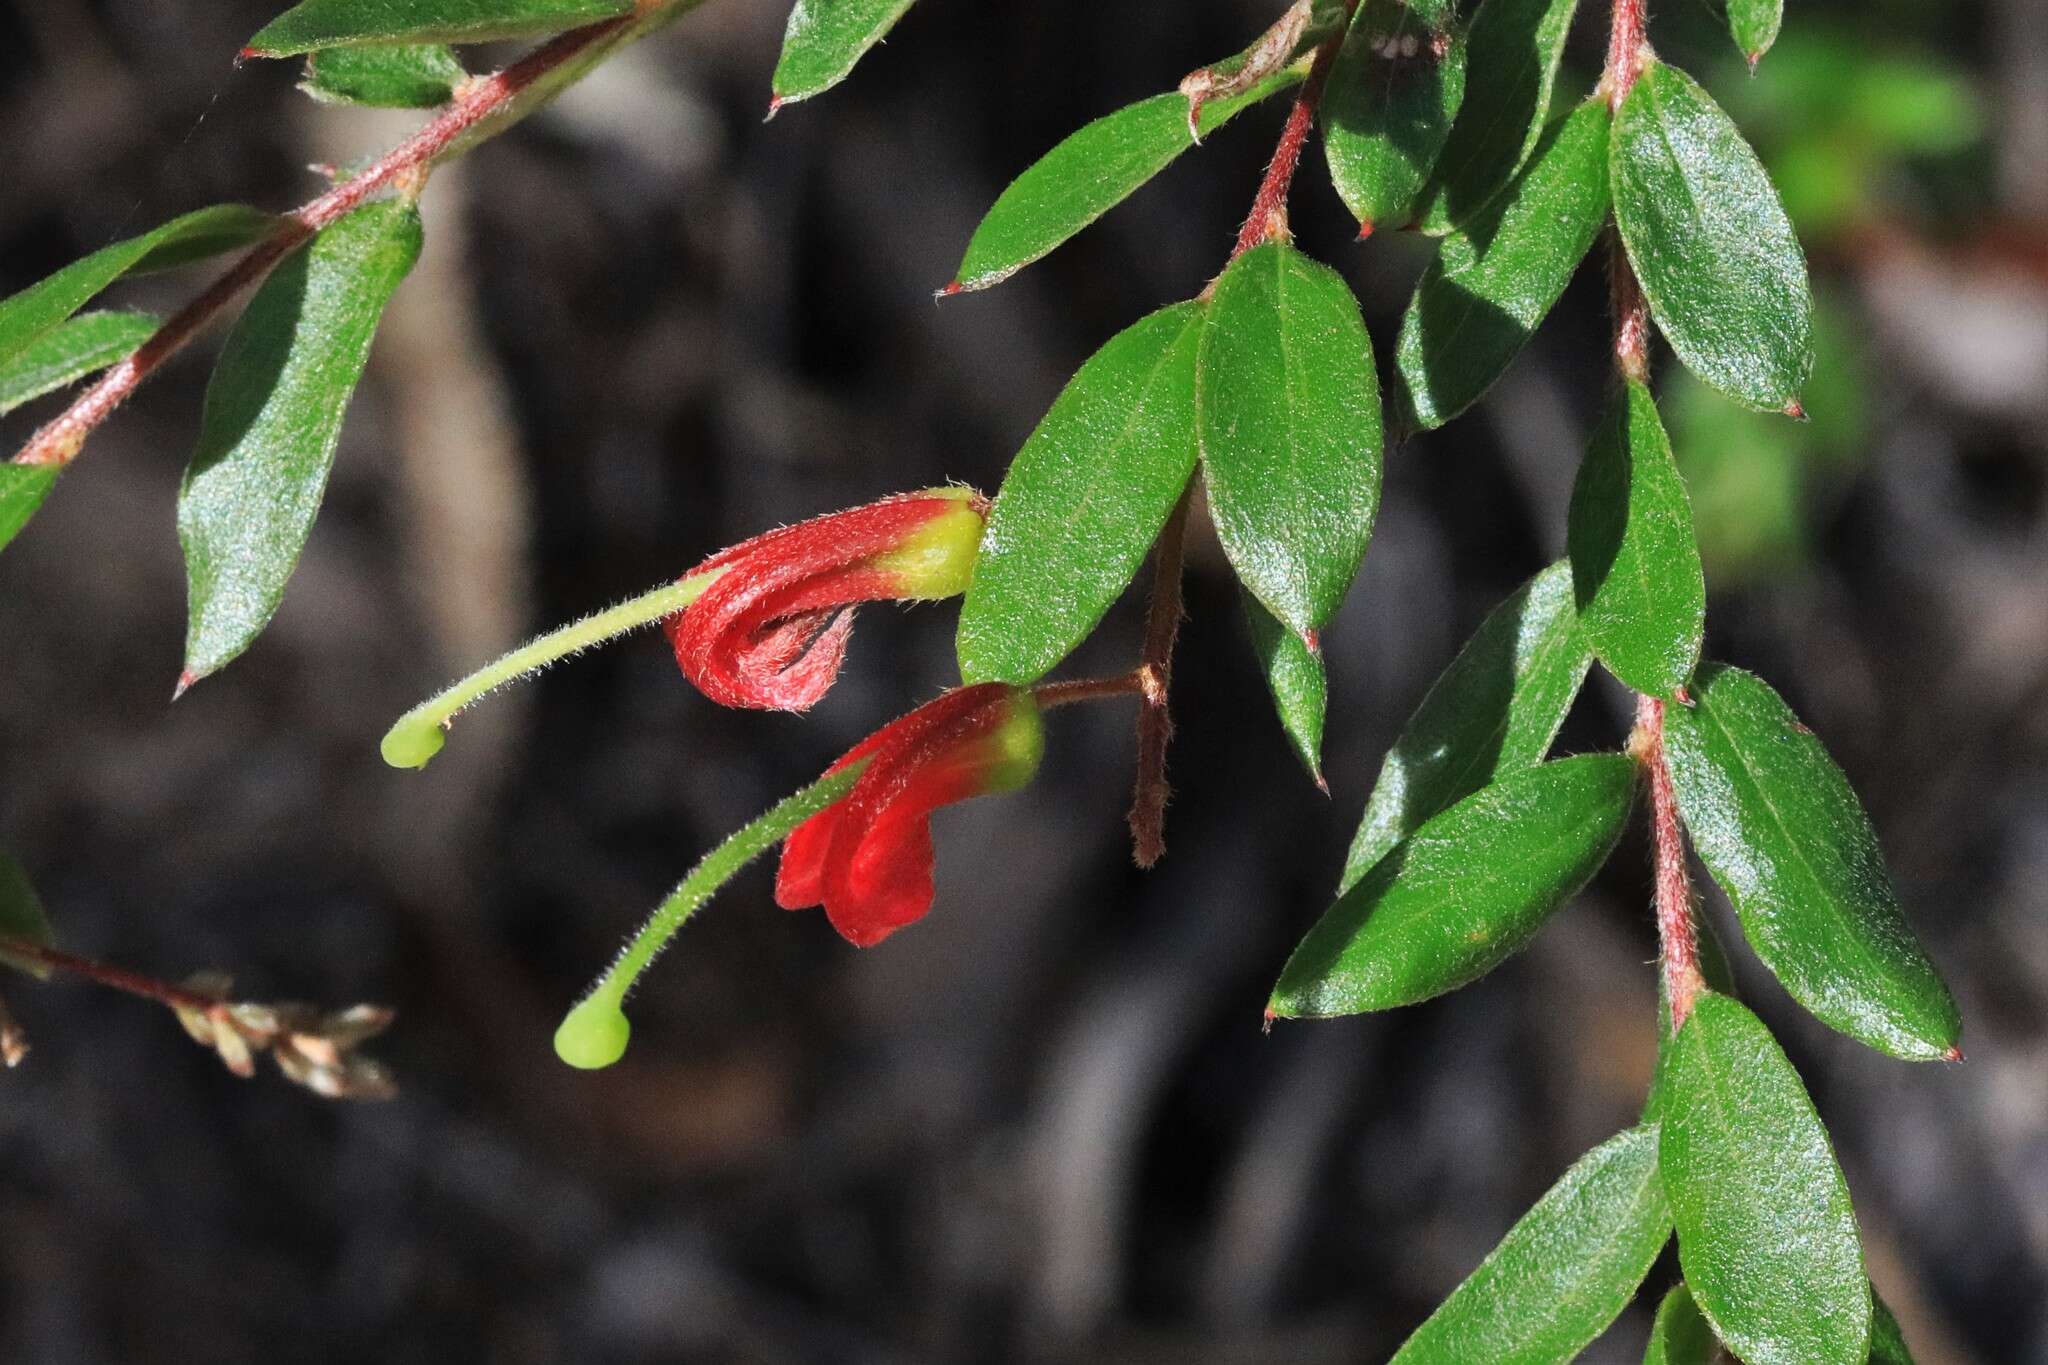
<point>1677,939</point>
<point>1631,313</point>
<point>1268,219</point>
<point>106,974</point>
<point>1131,684</point>
<point>60,440</point>
<point>1155,681</point>
<point>1625,47</point>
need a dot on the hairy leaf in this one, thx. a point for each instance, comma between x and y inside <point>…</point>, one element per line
<point>1754,26</point>
<point>1564,1272</point>
<point>272,418</point>
<point>70,351</point>
<point>1464,892</point>
<point>1493,711</point>
<point>1496,277</point>
<point>1780,828</point>
<point>22,490</point>
<point>1766,1236</point>
<point>1083,501</point>
<point>315,24</point>
<point>1710,242</point>
<point>1635,561</point>
<point>1295,677</point>
<point>1393,92</point>
<point>22,916</point>
<point>823,41</point>
<point>405,76</point>
<point>1288,411</point>
<point>1680,1336</point>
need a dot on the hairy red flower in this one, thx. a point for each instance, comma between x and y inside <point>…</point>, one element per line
<point>770,629</point>
<point>868,857</point>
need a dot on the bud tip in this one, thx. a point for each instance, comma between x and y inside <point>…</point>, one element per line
<point>593,1035</point>
<point>1954,1054</point>
<point>184,684</point>
<point>1364,231</point>
<point>412,742</point>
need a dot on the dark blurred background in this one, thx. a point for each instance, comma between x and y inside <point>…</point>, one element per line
<point>1043,1124</point>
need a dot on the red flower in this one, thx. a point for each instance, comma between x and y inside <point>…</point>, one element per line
<point>769,630</point>
<point>868,857</point>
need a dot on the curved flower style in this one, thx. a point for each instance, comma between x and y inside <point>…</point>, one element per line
<point>868,858</point>
<point>770,630</point>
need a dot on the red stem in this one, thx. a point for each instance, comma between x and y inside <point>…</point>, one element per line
<point>1155,681</point>
<point>1678,941</point>
<point>1131,684</point>
<point>106,974</point>
<point>60,440</point>
<point>1267,222</point>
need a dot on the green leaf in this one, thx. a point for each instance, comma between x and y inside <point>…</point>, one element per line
<point>1754,26</point>
<point>195,236</point>
<point>1635,562</point>
<point>69,351</point>
<point>1497,277</point>
<point>1563,1273</point>
<point>1088,174</point>
<point>1780,828</point>
<point>408,76</point>
<point>1294,675</point>
<point>1493,711</point>
<point>1680,1336</point>
<point>315,24</point>
<point>1714,970</point>
<point>1887,1342</point>
<point>22,916</point>
<point>1765,1233</point>
<point>272,418</point>
<point>823,41</point>
<point>1710,242</point>
<point>1511,65</point>
<point>1296,34</point>
<point>22,490</point>
<point>1083,501</point>
<point>1393,92</point>
<point>1288,411</point>
<point>1464,892</point>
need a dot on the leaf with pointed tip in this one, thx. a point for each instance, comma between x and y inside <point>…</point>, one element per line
<point>823,41</point>
<point>1295,677</point>
<point>1754,26</point>
<point>1393,93</point>
<point>1635,561</point>
<point>1781,829</point>
<point>1680,1336</point>
<point>1498,276</point>
<point>1288,412</point>
<point>1511,61</point>
<point>1766,1236</point>
<point>1463,893</point>
<point>70,351</point>
<point>315,24</point>
<point>1096,168</point>
<point>22,490</point>
<point>1710,242</point>
<point>400,76</point>
<point>272,417</point>
<point>192,237</point>
<point>1083,501</point>
<point>1564,1272</point>
<point>1493,711</point>
<point>22,916</point>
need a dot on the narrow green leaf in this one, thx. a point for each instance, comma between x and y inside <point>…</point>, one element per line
<point>1563,1273</point>
<point>1498,276</point>
<point>405,76</point>
<point>1512,59</point>
<point>70,351</point>
<point>1680,1336</point>
<point>1294,675</point>
<point>1096,168</point>
<point>272,418</point>
<point>1887,1342</point>
<point>1710,242</point>
<point>1083,501</point>
<point>1754,26</point>
<point>823,41</point>
<point>1766,1236</point>
<point>22,490</point>
<point>1493,711</point>
<point>195,236</point>
<point>1780,828</point>
<point>315,24</point>
<point>1635,561</point>
<point>1288,411</point>
<point>22,916</point>
<point>1393,92</point>
<point>1464,892</point>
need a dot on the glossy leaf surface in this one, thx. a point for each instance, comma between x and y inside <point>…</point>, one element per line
<point>1680,1336</point>
<point>22,916</point>
<point>1497,277</point>
<point>1564,1272</point>
<point>1464,892</point>
<point>22,490</point>
<point>1493,711</point>
<point>825,38</point>
<point>272,417</point>
<point>1083,501</point>
<point>1710,242</point>
<point>315,24</point>
<point>1780,828</point>
<point>1766,1236</point>
<point>1296,679</point>
<point>1512,54</point>
<point>401,76</point>
<point>1393,93</point>
<point>1754,26</point>
<point>1288,411</point>
<point>70,351</point>
<point>1635,561</point>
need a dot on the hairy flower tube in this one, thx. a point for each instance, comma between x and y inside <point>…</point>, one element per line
<point>763,624</point>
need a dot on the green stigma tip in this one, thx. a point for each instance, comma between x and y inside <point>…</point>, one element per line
<point>593,1035</point>
<point>411,742</point>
